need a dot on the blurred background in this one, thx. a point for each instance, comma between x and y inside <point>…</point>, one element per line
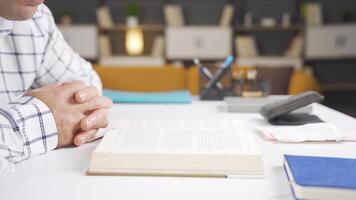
<point>297,45</point>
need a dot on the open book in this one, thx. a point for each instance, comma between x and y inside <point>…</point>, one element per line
<point>215,148</point>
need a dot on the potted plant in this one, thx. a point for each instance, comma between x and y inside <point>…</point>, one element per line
<point>134,34</point>
<point>132,14</point>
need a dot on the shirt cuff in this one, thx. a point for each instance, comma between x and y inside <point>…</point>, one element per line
<point>35,122</point>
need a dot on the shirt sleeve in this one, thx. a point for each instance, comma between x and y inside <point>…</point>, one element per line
<point>27,126</point>
<point>27,129</point>
<point>60,62</point>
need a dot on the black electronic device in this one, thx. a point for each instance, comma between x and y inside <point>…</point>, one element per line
<point>279,113</point>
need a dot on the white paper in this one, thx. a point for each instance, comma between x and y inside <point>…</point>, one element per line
<point>310,132</point>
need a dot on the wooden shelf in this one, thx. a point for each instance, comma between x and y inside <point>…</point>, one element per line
<point>260,28</point>
<point>144,27</point>
<point>330,58</point>
<point>239,28</point>
<point>271,61</point>
<point>338,87</point>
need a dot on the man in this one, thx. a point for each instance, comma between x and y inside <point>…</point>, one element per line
<point>42,104</point>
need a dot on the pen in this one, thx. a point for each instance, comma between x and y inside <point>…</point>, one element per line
<point>206,72</point>
<point>220,73</point>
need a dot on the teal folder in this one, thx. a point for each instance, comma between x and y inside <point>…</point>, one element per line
<point>180,96</point>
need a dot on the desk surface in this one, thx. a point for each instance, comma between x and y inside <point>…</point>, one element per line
<point>60,174</point>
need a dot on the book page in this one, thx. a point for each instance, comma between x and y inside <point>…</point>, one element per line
<point>180,136</point>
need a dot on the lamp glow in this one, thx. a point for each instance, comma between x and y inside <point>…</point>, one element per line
<point>134,41</point>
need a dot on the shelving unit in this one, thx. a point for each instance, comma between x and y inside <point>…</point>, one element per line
<point>338,58</point>
<point>260,28</point>
<point>272,61</point>
<point>337,87</point>
<point>273,40</point>
<point>124,27</point>
<point>155,29</point>
<point>117,37</point>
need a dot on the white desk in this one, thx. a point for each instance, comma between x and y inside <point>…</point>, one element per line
<point>60,174</point>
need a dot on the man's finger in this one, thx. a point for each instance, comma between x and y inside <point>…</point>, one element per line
<point>74,86</point>
<point>97,119</point>
<point>84,137</point>
<point>96,103</point>
<point>85,94</point>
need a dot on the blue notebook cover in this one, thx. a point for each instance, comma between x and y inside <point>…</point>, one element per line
<point>327,172</point>
<point>180,96</point>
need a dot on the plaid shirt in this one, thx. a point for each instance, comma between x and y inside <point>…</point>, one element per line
<point>33,53</point>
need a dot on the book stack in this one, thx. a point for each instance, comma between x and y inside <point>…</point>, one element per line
<point>173,15</point>
<point>313,14</point>
<point>104,20</point>
<point>295,48</point>
<point>227,14</point>
<point>104,45</point>
<point>104,17</point>
<point>158,46</point>
<point>246,46</point>
<point>321,178</point>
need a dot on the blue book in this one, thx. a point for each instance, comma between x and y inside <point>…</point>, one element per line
<point>180,96</point>
<point>322,178</point>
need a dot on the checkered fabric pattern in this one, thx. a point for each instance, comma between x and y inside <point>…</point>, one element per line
<point>33,53</point>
